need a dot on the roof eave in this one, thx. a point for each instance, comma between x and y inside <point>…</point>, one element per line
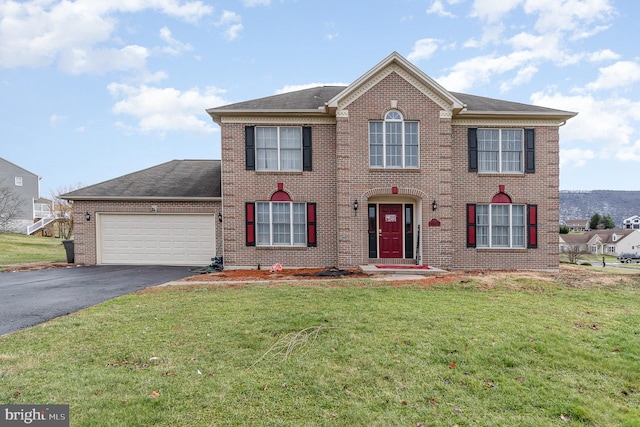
<point>142,198</point>
<point>559,115</point>
<point>217,115</point>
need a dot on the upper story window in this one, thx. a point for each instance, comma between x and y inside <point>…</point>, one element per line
<point>500,150</point>
<point>506,151</point>
<point>18,181</point>
<point>393,143</point>
<point>279,148</point>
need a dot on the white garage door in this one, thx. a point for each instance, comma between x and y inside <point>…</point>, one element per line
<point>158,239</point>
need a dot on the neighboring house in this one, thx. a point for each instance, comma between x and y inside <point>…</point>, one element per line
<point>392,169</point>
<point>27,186</point>
<point>632,223</point>
<point>603,242</point>
<point>577,225</point>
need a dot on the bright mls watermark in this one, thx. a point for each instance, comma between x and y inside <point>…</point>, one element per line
<point>34,415</point>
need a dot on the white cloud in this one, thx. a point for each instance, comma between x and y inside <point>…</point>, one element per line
<point>571,16</point>
<point>55,118</point>
<point>161,110</point>
<point>603,55</point>
<point>174,47</point>
<point>423,49</point>
<point>100,61</point>
<point>232,23</point>
<point>39,33</point>
<point>576,157</point>
<point>254,3</point>
<point>620,74</point>
<point>524,75</point>
<point>604,127</point>
<point>549,42</point>
<point>293,88</point>
<point>437,8</point>
<point>493,11</point>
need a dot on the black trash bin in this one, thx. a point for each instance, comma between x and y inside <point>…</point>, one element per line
<point>68,246</point>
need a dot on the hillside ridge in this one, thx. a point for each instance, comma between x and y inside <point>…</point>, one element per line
<point>582,204</point>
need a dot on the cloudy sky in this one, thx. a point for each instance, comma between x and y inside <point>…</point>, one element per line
<point>91,89</point>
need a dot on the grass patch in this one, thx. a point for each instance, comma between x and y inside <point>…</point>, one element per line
<point>20,249</point>
<point>359,353</point>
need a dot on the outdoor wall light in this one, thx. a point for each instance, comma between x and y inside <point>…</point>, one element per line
<point>219,216</point>
<point>434,205</point>
<point>87,216</point>
<point>355,205</point>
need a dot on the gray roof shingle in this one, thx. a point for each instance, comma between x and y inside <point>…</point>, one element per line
<point>311,100</point>
<point>176,179</point>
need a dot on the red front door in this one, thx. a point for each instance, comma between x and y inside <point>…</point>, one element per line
<point>390,231</point>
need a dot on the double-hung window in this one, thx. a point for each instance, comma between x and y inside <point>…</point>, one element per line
<point>281,224</point>
<point>278,148</point>
<point>500,226</point>
<point>393,143</point>
<point>500,150</point>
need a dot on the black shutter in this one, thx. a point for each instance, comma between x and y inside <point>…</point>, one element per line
<point>530,151</point>
<point>250,147</point>
<point>306,148</point>
<point>373,231</point>
<point>472,143</point>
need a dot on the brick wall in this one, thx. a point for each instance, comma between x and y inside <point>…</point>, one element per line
<point>341,175</point>
<point>317,186</point>
<point>539,188</point>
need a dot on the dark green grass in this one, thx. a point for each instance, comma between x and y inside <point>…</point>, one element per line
<point>379,355</point>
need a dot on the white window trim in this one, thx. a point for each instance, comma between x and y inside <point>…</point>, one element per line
<point>279,157</point>
<point>511,245</point>
<point>522,159</point>
<point>384,142</point>
<point>291,226</point>
<point>18,181</point>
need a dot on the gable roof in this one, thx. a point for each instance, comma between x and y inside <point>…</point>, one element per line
<point>602,236</point>
<point>400,63</point>
<point>324,100</point>
<point>7,165</point>
<point>174,180</point>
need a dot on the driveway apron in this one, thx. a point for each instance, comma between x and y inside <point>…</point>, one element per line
<point>32,297</point>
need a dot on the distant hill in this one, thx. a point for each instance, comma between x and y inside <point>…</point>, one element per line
<point>583,204</point>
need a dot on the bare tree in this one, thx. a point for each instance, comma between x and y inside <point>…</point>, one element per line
<point>63,210</point>
<point>10,206</point>
<point>574,252</point>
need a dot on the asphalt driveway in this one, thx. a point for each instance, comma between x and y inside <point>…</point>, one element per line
<point>32,297</point>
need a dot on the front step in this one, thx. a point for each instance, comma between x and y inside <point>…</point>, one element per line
<point>408,269</point>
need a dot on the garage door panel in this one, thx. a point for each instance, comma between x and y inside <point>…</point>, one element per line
<point>158,239</point>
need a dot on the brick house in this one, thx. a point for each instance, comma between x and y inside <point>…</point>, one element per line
<point>392,169</point>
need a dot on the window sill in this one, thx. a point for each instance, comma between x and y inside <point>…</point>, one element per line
<point>486,249</point>
<point>279,248</point>
<point>500,173</point>
<point>412,169</point>
<point>279,172</point>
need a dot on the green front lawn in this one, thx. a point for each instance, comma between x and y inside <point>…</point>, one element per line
<point>513,352</point>
<point>21,249</point>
